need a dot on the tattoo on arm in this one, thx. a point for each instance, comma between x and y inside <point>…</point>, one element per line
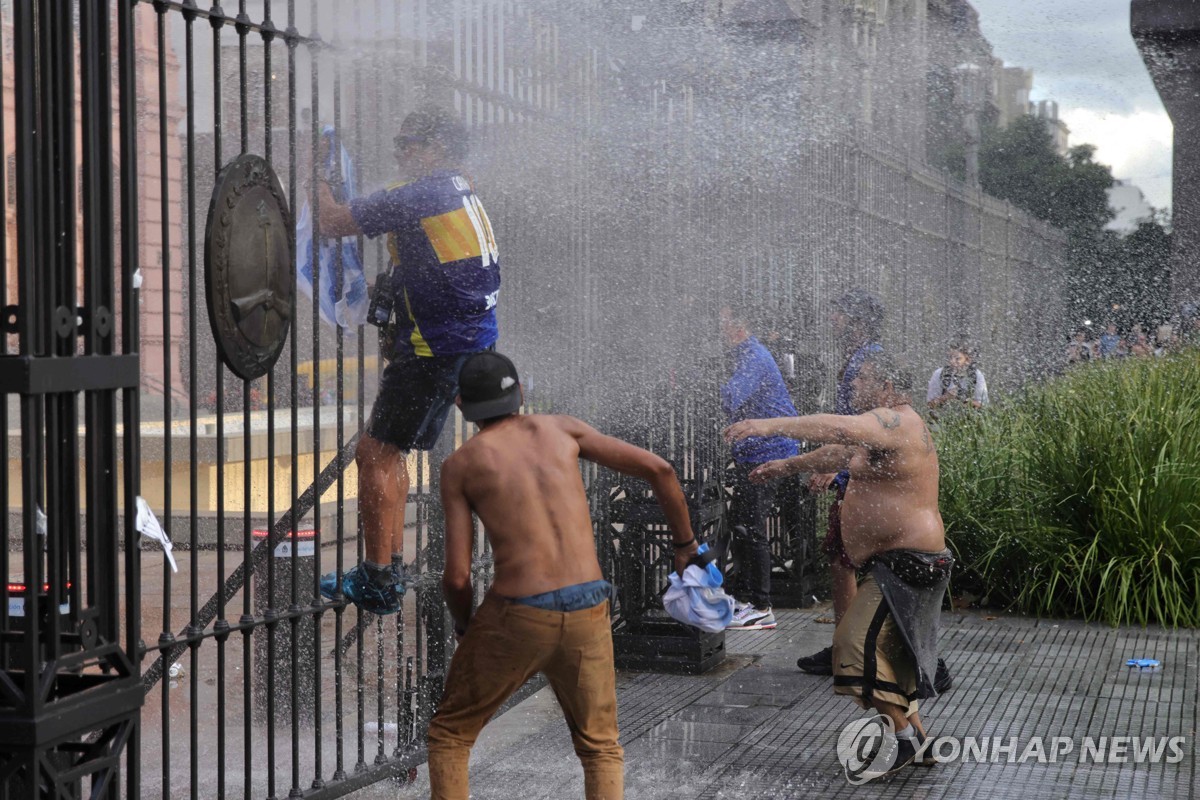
<point>888,424</point>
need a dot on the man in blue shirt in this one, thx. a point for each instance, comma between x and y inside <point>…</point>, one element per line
<point>857,321</point>
<point>1110,341</point>
<point>443,284</point>
<point>755,390</point>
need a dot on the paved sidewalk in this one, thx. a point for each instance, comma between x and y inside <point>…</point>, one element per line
<point>758,728</point>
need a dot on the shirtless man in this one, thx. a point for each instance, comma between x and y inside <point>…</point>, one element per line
<point>885,646</point>
<point>548,607</point>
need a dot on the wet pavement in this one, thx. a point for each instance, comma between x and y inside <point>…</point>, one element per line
<point>756,727</point>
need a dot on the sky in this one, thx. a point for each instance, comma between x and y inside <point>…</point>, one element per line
<point>1083,56</point>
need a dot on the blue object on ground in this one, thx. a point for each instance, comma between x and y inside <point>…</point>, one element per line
<point>1143,663</point>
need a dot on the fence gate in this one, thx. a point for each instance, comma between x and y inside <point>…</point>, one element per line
<point>216,669</point>
<point>69,694</point>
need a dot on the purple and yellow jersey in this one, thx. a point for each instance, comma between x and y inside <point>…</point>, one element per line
<point>444,261</point>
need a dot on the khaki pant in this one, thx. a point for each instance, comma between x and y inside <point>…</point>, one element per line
<point>870,659</point>
<point>505,645</point>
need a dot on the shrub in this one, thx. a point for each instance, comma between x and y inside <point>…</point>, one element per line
<point>1081,496</point>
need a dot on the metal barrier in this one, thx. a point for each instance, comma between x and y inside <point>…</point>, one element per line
<point>69,693</point>
<point>628,209</point>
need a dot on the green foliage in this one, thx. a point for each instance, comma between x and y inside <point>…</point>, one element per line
<point>1142,277</point>
<point>1082,496</point>
<point>1019,164</point>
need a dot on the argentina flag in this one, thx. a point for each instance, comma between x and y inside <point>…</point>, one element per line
<point>344,305</point>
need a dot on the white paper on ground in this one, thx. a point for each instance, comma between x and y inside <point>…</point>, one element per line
<point>148,525</point>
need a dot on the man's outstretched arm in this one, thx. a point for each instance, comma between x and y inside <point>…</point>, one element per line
<point>825,459</point>
<point>878,429</point>
<point>623,457</point>
<point>460,536</point>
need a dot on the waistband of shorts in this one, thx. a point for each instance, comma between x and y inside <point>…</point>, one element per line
<point>569,598</point>
<point>918,568</point>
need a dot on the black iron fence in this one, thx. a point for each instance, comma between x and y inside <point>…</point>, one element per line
<point>628,210</point>
<point>69,693</point>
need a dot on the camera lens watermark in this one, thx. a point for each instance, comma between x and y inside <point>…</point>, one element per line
<point>867,748</point>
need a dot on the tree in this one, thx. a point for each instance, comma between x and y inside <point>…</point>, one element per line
<point>1109,277</point>
<point>1145,275</point>
<point>1019,164</point>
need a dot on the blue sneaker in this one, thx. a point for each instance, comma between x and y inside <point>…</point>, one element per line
<point>360,589</point>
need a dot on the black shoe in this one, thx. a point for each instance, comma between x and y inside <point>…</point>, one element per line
<point>819,663</point>
<point>924,755</point>
<point>942,682</point>
<point>906,753</point>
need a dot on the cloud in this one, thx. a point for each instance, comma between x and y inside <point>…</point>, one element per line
<point>1083,56</point>
<point>1132,144</point>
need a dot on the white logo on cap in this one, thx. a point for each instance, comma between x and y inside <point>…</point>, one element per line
<point>506,382</point>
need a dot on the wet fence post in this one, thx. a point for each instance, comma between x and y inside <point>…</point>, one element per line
<point>431,602</point>
<point>272,601</point>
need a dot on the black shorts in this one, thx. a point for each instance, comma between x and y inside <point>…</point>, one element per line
<point>416,394</point>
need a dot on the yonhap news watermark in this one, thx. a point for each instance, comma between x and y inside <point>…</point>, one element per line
<point>868,748</point>
<point>1050,750</point>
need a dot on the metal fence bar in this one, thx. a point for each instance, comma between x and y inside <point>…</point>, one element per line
<point>293,352</point>
<point>269,34</point>
<point>56,65</point>
<point>8,182</point>
<point>166,637</point>
<point>130,343</point>
<point>360,694</point>
<point>237,580</point>
<point>29,168</point>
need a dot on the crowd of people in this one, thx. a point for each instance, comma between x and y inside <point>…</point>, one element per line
<point>1135,341</point>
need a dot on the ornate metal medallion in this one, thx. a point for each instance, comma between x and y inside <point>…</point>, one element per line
<point>249,266</point>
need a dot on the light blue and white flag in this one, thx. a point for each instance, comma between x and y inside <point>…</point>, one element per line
<point>344,305</point>
<point>697,598</point>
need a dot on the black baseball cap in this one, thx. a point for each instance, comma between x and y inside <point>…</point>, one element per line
<point>434,123</point>
<point>861,305</point>
<point>488,386</point>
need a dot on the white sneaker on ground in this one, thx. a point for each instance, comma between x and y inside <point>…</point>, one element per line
<point>750,618</point>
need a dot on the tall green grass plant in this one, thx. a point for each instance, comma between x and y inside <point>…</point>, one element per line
<point>1081,496</point>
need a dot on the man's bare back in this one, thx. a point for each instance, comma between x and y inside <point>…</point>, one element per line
<point>891,501</point>
<point>521,477</point>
